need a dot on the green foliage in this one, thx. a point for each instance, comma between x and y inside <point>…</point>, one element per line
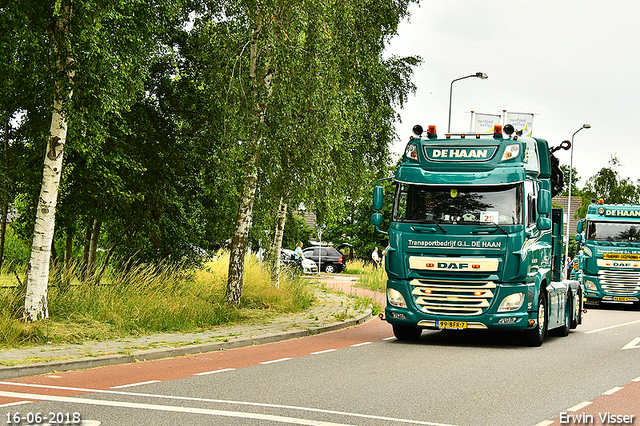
<point>575,178</point>
<point>608,185</point>
<point>374,279</point>
<point>163,120</point>
<point>16,252</point>
<point>356,229</point>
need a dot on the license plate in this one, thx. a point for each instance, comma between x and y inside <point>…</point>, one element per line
<point>620,299</point>
<point>458,325</point>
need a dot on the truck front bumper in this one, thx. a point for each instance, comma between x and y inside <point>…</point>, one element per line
<point>413,315</point>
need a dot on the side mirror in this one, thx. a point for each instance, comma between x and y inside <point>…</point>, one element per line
<point>544,202</point>
<point>543,223</point>
<point>376,219</point>
<point>580,226</point>
<point>378,197</point>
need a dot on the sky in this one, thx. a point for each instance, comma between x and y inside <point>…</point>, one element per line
<point>569,62</point>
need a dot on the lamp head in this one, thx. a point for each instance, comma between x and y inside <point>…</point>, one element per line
<point>482,75</point>
<point>586,126</point>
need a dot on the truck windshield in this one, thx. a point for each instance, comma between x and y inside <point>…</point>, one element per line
<point>458,204</point>
<point>613,232</point>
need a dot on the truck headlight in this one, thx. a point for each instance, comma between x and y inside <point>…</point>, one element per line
<point>590,285</point>
<point>511,151</point>
<point>511,303</point>
<point>395,298</point>
<point>411,151</point>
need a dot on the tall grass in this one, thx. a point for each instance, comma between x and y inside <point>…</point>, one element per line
<point>372,278</point>
<point>147,299</point>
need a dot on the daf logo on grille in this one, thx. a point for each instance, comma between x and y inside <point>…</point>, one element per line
<point>452,265</point>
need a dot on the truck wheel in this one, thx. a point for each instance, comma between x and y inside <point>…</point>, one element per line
<point>535,336</point>
<point>407,333</point>
<point>577,306</point>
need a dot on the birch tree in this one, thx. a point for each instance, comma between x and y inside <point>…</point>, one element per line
<point>101,53</point>
<point>35,305</point>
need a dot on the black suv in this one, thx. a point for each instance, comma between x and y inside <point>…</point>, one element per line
<point>328,259</point>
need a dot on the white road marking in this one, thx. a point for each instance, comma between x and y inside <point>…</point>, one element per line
<point>135,384</point>
<point>171,408</point>
<point>633,344</point>
<point>390,338</point>
<point>222,401</point>
<point>360,344</point>
<point>613,326</point>
<point>323,352</point>
<point>579,406</point>
<point>545,423</point>
<point>612,391</point>
<point>637,379</point>
<point>15,403</point>
<point>214,372</point>
<point>275,360</point>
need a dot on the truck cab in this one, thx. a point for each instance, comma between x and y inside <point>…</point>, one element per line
<point>609,245</point>
<point>473,240</point>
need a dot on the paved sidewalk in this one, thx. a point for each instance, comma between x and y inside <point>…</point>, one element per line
<point>333,310</point>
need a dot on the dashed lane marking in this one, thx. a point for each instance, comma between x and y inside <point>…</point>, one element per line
<point>360,344</point>
<point>135,384</point>
<point>323,352</point>
<point>275,360</point>
<point>579,406</point>
<point>222,370</point>
<point>612,391</point>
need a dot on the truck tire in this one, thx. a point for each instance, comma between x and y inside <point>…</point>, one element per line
<point>535,336</point>
<point>407,333</point>
<point>577,305</point>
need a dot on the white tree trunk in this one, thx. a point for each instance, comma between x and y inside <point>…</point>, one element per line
<point>241,234</point>
<point>277,242</point>
<point>35,302</point>
<point>245,209</point>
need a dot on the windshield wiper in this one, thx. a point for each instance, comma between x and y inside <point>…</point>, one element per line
<point>444,231</point>
<point>495,224</point>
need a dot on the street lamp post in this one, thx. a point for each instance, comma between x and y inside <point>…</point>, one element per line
<point>480,75</point>
<point>566,249</point>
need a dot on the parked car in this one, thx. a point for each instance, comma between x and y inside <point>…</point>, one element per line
<point>288,257</point>
<point>328,258</point>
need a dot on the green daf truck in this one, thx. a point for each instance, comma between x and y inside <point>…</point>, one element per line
<point>609,246</point>
<point>473,240</point>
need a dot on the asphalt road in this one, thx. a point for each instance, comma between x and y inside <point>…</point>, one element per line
<point>362,376</point>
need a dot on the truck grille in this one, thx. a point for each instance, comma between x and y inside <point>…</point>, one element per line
<point>619,282</point>
<point>442,297</point>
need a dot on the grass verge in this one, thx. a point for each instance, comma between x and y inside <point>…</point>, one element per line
<point>147,300</point>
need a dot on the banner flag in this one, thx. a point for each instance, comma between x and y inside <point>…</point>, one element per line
<point>484,122</point>
<point>520,121</point>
